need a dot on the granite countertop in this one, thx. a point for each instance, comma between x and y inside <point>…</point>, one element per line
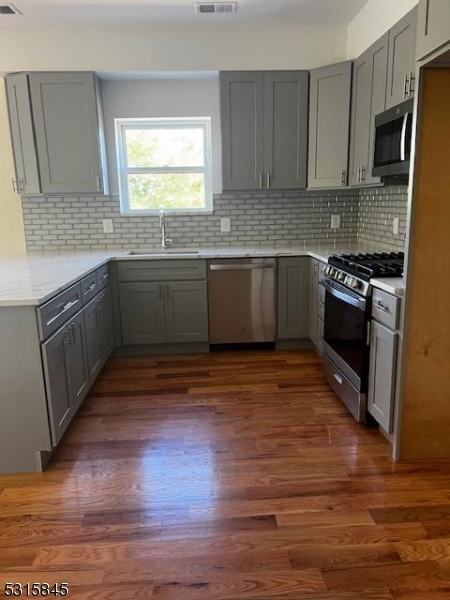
<point>32,279</point>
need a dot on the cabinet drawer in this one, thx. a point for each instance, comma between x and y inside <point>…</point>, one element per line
<point>55,313</point>
<point>385,308</point>
<point>89,287</point>
<point>161,270</point>
<point>102,277</point>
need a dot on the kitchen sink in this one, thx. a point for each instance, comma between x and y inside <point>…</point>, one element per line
<point>160,252</point>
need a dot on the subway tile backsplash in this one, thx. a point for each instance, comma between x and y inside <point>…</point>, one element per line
<point>377,209</point>
<point>263,219</point>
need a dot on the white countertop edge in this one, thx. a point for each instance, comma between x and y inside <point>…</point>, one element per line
<point>96,259</point>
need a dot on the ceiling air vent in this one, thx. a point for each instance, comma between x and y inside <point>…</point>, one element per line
<point>218,8</point>
<point>8,9</point>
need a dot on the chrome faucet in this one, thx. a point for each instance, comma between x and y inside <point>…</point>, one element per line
<point>165,242</point>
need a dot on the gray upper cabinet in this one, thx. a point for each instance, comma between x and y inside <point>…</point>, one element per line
<point>368,99</point>
<point>433,30</point>
<point>142,313</point>
<point>285,129</point>
<point>57,140</point>
<point>22,135</point>
<point>242,113</point>
<point>401,68</point>
<point>329,124</point>
<point>264,129</point>
<point>381,393</point>
<point>186,311</point>
<point>293,297</point>
<point>67,130</point>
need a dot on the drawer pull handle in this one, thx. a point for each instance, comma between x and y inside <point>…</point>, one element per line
<point>62,308</point>
<point>338,378</point>
<point>382,306</point>
<point>92,287</point>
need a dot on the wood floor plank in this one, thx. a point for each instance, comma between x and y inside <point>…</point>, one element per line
<point>227,476</point>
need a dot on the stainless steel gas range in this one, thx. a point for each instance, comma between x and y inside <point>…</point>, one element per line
<point>348,306</point>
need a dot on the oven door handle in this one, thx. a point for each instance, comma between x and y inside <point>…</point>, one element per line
<point>341,295</point>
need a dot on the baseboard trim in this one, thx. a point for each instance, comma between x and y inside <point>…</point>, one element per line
<point>152,349</point>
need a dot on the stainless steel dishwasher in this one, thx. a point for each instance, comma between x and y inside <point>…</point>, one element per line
<point>241,296</point>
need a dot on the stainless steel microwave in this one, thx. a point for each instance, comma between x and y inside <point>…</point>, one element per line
<point>393,136</point>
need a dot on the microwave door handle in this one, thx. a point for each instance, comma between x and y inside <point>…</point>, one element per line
<point>403,138</point>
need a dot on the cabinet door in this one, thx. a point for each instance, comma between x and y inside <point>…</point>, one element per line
<point>379,66</point>
<point>285,129</point>
<point>314,301</point>
<point>381,395</point>
<point>54,354</point>
<point>401,69</point>
<point>329,125</point>
<point>107,328</point>
<point>142,313</point>
<point>76,362</point>
<point>92,320</point>
<point>293,297</point>
<point>369,99</point>
<point>242,117</point>
<point>67,132</point>
<point>433,26</point>
<point>361,103</point>
<point>22,134</point>
<point>186,310</point>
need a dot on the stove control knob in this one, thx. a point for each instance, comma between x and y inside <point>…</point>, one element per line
<point>341,276</point>
<point>358,284</point>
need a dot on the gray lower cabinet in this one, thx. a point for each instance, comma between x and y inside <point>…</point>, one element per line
<point>293,297</point>
<point>382,372</point>
<point>186,311</point>
<point>264,118</point>
<point>433,30</point>
<point>93,338</point>
<point>169,312</point>
<point>142,313</point>
<point>98,321</point>
<point>66,374</point>
<point>316,305</point>
<point>329,125</point>
<point>368,99</point>
<point>401,67</point>
<point>56,133</point>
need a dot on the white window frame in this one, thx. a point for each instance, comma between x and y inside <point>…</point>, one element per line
<point>122,125</point>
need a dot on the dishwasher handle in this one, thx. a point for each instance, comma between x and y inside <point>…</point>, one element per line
<point>241,267</point>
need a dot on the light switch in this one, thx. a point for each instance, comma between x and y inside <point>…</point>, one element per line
<point>108,226</point>
<point>225,225</point>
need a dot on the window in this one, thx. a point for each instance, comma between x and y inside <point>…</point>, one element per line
<point>164,164</point>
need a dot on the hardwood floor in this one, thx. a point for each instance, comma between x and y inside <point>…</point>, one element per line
<point>226,476</point>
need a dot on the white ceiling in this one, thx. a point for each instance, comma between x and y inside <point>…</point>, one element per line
<point>297,12</point>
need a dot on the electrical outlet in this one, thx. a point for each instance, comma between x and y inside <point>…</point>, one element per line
<point>395,225</point>
<point>335,221</point>
<point>108,226</point>
<point>225,225</point>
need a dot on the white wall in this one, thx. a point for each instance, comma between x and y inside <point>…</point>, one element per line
<point>12,239</point>
<point>377,17</point>
<point>161,98</point>
<point>138,47</point>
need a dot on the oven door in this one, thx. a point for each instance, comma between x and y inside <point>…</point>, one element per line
<point>347,317</point>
